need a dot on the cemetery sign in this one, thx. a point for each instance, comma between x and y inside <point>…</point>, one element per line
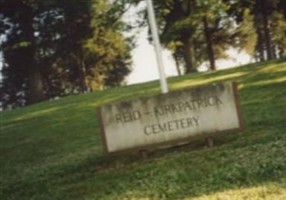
<point>172,118</point>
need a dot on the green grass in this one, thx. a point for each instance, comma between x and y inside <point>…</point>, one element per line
<point>52,150</point>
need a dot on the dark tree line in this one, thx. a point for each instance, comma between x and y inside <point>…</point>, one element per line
<point>54,48</point>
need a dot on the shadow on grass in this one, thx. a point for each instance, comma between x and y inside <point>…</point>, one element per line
<point>188,171</point>
<point>184,174</point>
<point>76,169</point>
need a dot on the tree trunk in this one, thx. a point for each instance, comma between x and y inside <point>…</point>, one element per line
<point>35,82</point>
<point>266,31</point>
<point>82,70</point>
<point>177,64</point>
<point>209,43</point>
<point>188,55</point>
<point>260,46</point>
<point>35,93</point>
<point>275,52</point>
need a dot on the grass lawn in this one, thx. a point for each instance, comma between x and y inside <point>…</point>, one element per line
<point>52,150</point>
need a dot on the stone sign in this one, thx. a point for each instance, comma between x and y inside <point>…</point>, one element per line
<point>172,118</point>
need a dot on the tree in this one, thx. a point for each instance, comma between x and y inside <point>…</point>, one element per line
<point>25,43</point>
<point>205,28</point>
<point>266,16</point>
<point>55,48</point>
<point>197,31</point>
<point>177,30</point>
<point>107,42</point>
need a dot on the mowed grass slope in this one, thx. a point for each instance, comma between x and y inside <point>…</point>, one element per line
<point>52,150</point>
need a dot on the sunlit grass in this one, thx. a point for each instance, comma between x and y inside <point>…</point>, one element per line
<point>212,79</point>
<point>52,150</point>
<point>268,191</point>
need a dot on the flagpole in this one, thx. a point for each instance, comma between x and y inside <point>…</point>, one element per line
<point>157,46</point>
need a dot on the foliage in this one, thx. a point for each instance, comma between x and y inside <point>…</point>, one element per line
<point>110,46</point>
<point>246,35</point>
<point>60,48</point>
<point>266,18</point>
<point>199,31</point>
<point>52,150</point>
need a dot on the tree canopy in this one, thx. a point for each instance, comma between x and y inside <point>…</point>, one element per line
<point>54,48</point>
<point>201,31</point>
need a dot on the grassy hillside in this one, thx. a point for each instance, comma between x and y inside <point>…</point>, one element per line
<point>52,150</point>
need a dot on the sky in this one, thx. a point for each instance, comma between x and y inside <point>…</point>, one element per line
<point>145,63</point>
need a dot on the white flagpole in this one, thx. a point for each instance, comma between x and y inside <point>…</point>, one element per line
<point>156,40</point>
